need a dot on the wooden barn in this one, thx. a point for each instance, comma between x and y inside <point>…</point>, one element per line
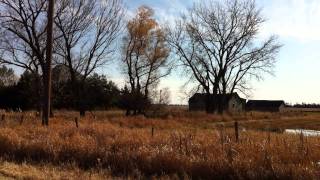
<point>233,102</point>
<point>265,105</point>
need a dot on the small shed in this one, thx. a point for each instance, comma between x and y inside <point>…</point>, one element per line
<point>265,105</point>
<point>233,103</point>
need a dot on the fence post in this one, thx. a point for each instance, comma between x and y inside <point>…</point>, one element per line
<point>152,131</point>
<point>269,133</point>
<point>76,121</point>
<point>180,144</point>
<point>301,140</point>
<point>236,130</point>
<point>222,138</point>
<point>21,119</point>
<point>3,117</point>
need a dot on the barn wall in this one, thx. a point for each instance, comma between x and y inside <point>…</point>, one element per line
<point>197,104</point>
<point>281,108</point>
<point>264,109</point>
<point>235,105</point>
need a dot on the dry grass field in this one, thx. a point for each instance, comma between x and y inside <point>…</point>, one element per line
<point>182,145</point>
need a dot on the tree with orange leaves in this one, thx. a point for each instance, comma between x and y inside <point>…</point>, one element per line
<point>145,58</point>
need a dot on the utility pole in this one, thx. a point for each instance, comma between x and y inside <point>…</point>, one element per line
<point>47,74</point>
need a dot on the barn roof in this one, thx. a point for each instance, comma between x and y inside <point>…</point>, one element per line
<point>264,103</point>
<point>202,96</point>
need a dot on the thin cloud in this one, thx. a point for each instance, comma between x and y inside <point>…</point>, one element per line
<point>295,19</point>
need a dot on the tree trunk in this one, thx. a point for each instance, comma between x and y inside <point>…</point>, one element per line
<point>78,95</point>
<point>82,107</point>
<point>81,103</point>
<point>223,100</point>
<point>211,100</point>
<point>221,105</point>
<point>209,104</point>
<point>39,93</point>
<point>51,112</point>
<point>43,100</point>
<point>47,69</point>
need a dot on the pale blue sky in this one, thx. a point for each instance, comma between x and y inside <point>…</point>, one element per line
<point>297,72</point>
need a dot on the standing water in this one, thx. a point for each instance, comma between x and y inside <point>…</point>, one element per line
<point>305,132</point>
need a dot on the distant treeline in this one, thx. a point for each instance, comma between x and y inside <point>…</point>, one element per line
<point>25,93</point>
<point>303,105</point>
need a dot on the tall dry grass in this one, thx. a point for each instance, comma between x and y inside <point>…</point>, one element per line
<point>11,170</point>
<point>180,147</point>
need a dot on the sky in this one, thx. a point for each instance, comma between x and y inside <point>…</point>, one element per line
<point>296,76</point>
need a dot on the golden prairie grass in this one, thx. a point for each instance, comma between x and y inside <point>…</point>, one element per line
<point>191,146</point>
<point>10,170</point>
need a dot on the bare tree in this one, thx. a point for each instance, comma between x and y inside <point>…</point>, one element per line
<point>23,33</point>
<point>84,36</point>
<point>23,36</point>
<point>145,54</point>
<point>88,30</point>
<point>217,43</point>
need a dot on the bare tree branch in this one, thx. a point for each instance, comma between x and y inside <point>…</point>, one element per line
<point>217,41</point>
